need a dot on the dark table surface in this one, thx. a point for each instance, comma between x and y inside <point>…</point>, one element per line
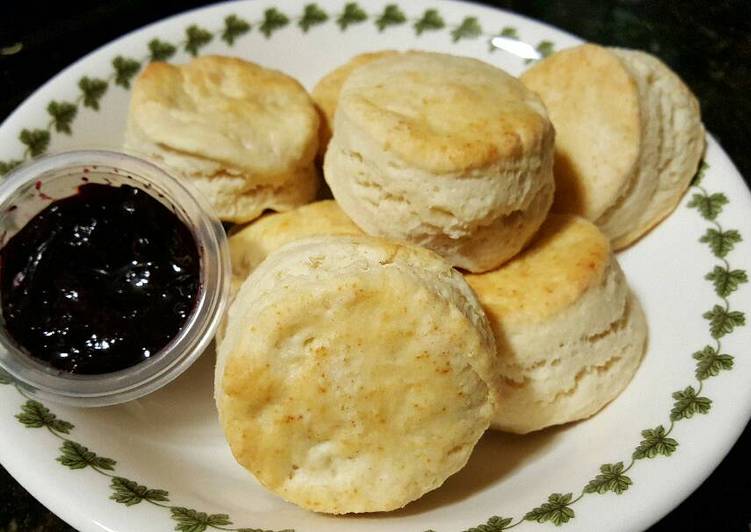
<point>707,43</point>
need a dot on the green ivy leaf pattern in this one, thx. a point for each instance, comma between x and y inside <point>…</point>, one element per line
<point>5,378</point>
<point>125,69</point>
<point>655,442</point>
<point>697,179</point>
<point>710,362</point>
<point>352,14</point>
<point>273,20</point>
<point>76,456</point>
<point>710,206</point>
<point>687,403</point>
<point>494,524</point>
<point>124,491</point>
<point>391,16</point>
<point>545,48</point>
<point>468,29</point>
<point>726,281</point>
<point>189,520</point>
<point>196,38</point>
<point>234,27</point>
<point>431,20</point>
<point>35,415</point>
<point>35,140</point>
<point>611,478</point>
<point>128,492</point>
<point>7,166</point>
<point>556,510</point>
<point>62,114</point>
<point>312,16</point>
<point>160,50</point>
<point>722,321</point>
<point>93,89</point>
<point>721,242</point>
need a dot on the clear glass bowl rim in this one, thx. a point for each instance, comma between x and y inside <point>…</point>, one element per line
<point>44,382</point>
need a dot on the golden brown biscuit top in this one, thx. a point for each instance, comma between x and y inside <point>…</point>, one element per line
<point>229,110</point>
<point>593,103</point>
<point>567,256</point>
<point>326,388</point>
<point>249,246</point>
<point>444,113</point>
<point>354,361</point>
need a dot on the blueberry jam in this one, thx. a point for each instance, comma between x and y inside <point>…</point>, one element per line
<point>99,281</point>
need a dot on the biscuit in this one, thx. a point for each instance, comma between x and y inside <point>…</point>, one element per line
<point>629,136</point>
<point>446,152</point>
<point>569,333</point>
<point>249,246</point>
<point>326,92</point>
<point>342,395</point>
<point>244,136</point>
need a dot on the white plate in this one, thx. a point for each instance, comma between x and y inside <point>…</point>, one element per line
<point>171,440</point>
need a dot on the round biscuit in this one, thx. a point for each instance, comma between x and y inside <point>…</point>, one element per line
<point>569,333</point>
<point>436,149</point>
<point>629,136</point>
<point>342,395</point>
<point>593,102</point>
<point>244,135</point>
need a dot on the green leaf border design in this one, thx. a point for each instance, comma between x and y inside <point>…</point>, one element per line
<point>653,442</point>
<point>76,456</point>
<point>124,69</point>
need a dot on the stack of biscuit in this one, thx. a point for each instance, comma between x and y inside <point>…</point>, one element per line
<point>569,333</point>
<point>357,368</point>
<point>629,136</point>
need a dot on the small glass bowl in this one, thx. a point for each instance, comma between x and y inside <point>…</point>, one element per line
<point>31,188</point>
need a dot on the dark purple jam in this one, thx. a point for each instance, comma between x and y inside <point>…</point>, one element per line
<point>99,281</point>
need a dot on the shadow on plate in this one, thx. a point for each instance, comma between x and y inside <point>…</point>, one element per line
<point>496,455</point>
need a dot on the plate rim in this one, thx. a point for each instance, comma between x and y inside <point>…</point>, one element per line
<point>705,212</point>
